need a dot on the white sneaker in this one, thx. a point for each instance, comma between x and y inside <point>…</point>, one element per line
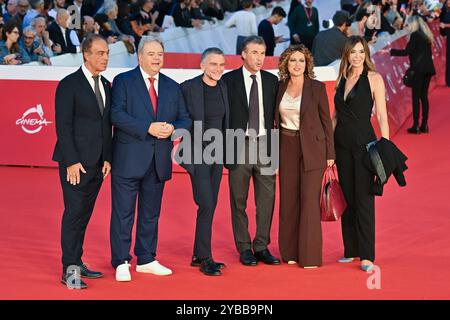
<point>123,272</point>
<point>155,268</point>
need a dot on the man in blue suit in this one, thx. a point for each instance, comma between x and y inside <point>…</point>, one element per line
<point>146,108</point>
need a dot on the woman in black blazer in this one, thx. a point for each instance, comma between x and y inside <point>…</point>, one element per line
<point>419,52</point>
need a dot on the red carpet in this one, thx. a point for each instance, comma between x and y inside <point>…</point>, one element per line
<point>413,239</point>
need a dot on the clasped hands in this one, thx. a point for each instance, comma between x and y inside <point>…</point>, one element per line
<point>161,130</point>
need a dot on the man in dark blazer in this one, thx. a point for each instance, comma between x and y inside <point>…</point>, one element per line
<point>61,35</point>
<point>329,44</point>
<point>146,108</point>
<point>252,93</point>
<point>207,103</point>
<point>83,150</point>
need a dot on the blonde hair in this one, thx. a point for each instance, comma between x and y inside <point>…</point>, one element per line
<point>416,23</point>
<point>345,66</point>
<point>286,55</point>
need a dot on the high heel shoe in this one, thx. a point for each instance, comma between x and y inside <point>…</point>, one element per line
<point>414,130</point>
<point>366,267</point>
<point>346,260</point>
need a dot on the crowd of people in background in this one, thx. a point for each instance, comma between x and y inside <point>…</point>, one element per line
<point>51,23</point>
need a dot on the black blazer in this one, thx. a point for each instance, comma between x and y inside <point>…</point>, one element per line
<point>55,33</point>
<point>239,104</point>
<point>83,134</point>
<point>193,96</point>
<point>419,52</point>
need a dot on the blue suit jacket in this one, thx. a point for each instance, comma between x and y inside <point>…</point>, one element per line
<point>132,114</point>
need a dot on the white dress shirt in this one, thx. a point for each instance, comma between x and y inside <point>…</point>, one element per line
<point>88,76</point>
<point>245,22</point>
<point>147,81</point>
<point>248,85</point>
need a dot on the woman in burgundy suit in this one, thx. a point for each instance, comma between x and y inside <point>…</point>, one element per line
<point>306,148</point>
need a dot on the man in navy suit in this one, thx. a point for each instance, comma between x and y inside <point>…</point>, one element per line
<point>146,108</point>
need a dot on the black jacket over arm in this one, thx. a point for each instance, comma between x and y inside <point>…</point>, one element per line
<point>83,134</point>
<point>419,52</point>
<point>237,96</point>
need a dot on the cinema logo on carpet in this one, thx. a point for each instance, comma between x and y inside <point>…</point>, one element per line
<point>33,120</point>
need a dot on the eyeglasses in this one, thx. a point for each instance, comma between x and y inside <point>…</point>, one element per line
<point>24,5</point>
<point>16,32</point>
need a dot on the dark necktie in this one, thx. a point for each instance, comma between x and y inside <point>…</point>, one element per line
<point>153,95</point>
<point>98,95</point>
<point>253,106</point>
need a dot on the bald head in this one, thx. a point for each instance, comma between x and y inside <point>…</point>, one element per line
<point>88,24</point>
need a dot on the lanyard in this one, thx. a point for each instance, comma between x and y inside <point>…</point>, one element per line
<point>308,14</point>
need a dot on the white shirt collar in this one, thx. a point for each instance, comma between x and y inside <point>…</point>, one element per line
<point>87,73</point>
<point>247,74</point>
<point>146,76</point>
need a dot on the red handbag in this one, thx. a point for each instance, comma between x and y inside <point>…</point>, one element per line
<point>332,200</point>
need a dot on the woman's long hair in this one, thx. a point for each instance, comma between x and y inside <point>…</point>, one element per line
<point>8,28</point>
<point>345,67</point>
<point>416,23</point>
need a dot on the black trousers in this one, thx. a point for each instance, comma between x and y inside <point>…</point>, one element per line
<point>358,220</point>
<point>264,187</point>
<point>239,42</point>
<point>421,84</point>
<point>79,201</point>
<point>205,187</point>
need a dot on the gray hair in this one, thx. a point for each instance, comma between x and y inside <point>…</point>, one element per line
<point>29,29</point>
<point>210,51</point>
<point>61,12</point>
<point>148,39</point>
<point>110,6</point>
<point>36,3</point>
<point>35,20</point>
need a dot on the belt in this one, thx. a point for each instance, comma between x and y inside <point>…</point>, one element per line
<point>290,132</point>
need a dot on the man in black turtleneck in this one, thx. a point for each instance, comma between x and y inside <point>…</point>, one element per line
<point>207,103</point>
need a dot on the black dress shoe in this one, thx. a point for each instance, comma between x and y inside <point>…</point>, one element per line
<point>424,128</point>
<point>196,262</point>
<point>414,130</point>
<point>86,273</point>
<point>209,268</point>
<point>247,258</point>
<point>73,281</point>
<point>266,257</point>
